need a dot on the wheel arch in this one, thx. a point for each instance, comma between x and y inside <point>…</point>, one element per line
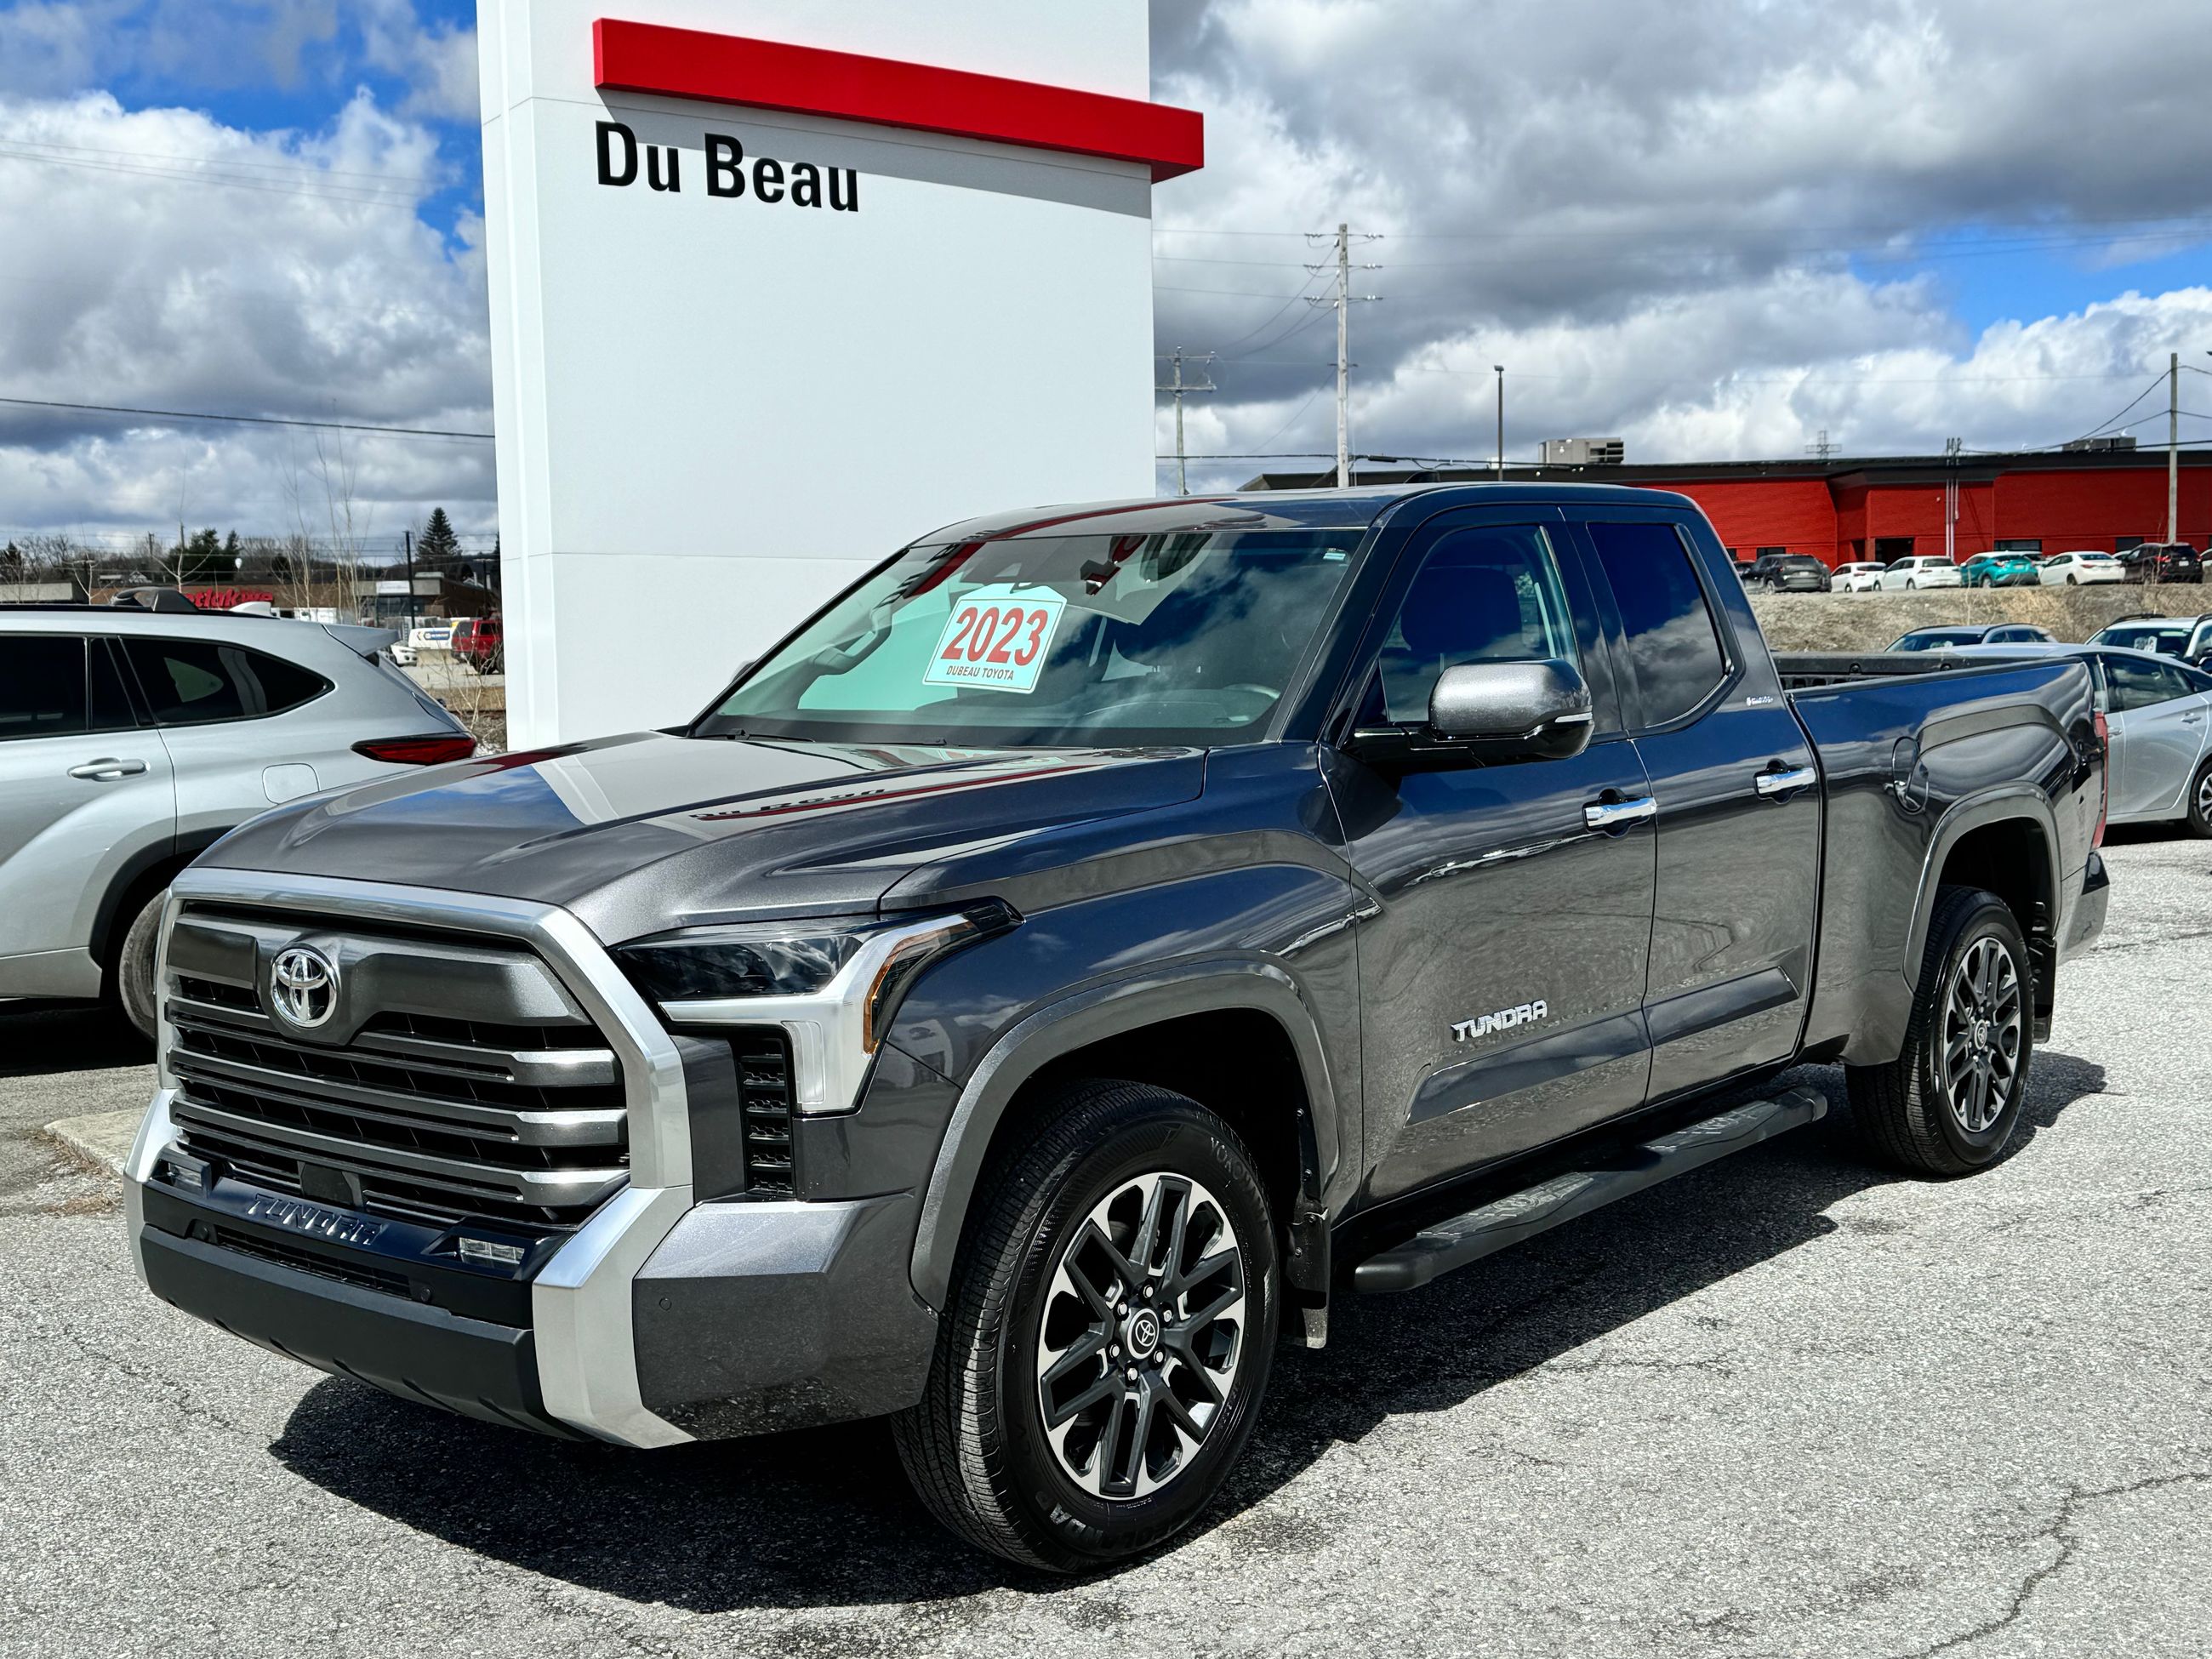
<point>1115,1021</point>
<point>2007,842</point>
<point>145,873</point>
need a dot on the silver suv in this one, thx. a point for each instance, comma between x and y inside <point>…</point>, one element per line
<point>130,742</point>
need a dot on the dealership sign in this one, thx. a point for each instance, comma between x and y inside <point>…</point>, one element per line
<point>764,308</point>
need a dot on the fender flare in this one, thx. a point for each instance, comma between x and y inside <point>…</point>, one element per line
<point>1089,1016</point>
<point>1999,806</point>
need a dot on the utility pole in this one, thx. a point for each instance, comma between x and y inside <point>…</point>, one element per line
<point>408,537</point>
<point>1821,446</point>
<point>1951,446</point>
<point>2172,447</point>
<point>1342,300</point>
<point>1500,368</point>
<point>1178,387</point>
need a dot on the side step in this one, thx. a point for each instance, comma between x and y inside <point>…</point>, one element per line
<point>1509,1220</point>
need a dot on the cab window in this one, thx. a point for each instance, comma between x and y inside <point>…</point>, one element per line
<point>1673,644</point>
<point>1490,594</point>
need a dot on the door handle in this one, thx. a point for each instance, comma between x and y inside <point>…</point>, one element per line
<point>1782,780</point>
<point>1611,815</point>
<point>107,771</point>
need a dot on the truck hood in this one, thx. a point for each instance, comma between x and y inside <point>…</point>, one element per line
<point>640,834</point>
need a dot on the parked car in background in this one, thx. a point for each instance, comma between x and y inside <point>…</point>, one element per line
<point>1946,639</point>
<point>1790,572</point>
<point>1921,570</point>
<point>2078,568</point>
<point>404,654</point>
<point>2161,561</point>
<point>1859,576</point>
<point>2000,570</point>
<point>131,740</point>
<point>2159,713</point>
<point>478,643</point>
<point>2189,638</point>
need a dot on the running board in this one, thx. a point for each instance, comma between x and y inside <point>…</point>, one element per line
<point>1518,1215</point>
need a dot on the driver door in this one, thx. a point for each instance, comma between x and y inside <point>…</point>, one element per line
<point>1503,973</point>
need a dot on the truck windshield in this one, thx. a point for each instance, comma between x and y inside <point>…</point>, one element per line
<point>1183,639</point>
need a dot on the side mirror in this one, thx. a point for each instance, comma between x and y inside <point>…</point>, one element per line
<point>1520,710</point>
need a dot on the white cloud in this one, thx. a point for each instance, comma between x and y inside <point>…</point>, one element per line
<point>1660,217</point>
<point>184,264</point>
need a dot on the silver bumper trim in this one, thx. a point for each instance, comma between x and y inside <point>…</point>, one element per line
<point>581,1302</point>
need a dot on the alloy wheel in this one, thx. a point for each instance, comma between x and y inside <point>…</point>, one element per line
<point>1983,1026</point>
<point>1141,1335</point>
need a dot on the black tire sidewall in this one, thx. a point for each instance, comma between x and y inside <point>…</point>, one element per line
<point>2198,825</point>
<point>1989,919</point>
<point>134,966</point>
<point>1182,1138</point>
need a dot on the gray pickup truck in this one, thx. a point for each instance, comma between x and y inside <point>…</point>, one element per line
<point>1090,943</point>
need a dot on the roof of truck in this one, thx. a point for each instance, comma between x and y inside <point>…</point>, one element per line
<point>1281,509</point>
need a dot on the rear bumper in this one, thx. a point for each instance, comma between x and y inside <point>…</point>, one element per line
<point>2087,921</point>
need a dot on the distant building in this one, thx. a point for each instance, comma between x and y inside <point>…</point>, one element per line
<point>1888,507</point>
<point>1584,452</point>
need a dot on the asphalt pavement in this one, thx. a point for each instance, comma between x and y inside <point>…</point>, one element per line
<point>1788,1405</point>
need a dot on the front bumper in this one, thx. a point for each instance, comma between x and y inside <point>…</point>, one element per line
<point>658,1321</point>
<point>742,1317</point>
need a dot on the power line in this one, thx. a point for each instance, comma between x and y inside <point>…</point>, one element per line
<point>247,420</point>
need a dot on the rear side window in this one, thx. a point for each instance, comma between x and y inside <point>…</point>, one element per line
<point>42,687</point>
<point>2139,684</point>
<point>1674,648</point>
<point>196,681</point>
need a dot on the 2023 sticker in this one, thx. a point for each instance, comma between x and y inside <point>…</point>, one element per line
<point>996,638</point>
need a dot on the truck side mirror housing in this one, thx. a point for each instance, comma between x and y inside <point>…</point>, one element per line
<point>1518,710</point>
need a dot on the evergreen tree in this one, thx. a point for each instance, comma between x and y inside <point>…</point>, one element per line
<point>437,546</point>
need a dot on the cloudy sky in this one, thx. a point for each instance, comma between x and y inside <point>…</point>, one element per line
<point>1713,229</point>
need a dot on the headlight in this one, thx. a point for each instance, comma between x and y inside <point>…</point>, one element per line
<point>834,988</point>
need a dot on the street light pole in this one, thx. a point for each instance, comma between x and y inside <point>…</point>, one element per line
<point>1500,368</point>
<point>2172,447</point>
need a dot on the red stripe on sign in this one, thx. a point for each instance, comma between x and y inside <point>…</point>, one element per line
<point>729,69</point>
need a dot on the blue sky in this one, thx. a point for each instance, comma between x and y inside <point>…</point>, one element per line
<point>1674,224</point>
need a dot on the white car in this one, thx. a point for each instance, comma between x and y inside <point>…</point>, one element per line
<point>1860,576</point>
<point>403,653</point>
<point>1921,570</point>
<point>2160,714</point>
<point>131,739</point>
<point>2072,569</point>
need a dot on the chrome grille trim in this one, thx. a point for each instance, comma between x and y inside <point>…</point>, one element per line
<point>581,1300</point>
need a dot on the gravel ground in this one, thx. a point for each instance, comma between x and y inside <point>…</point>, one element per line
<point>1788,1405</point>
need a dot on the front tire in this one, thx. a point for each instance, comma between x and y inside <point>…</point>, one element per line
<point>1948,1103</point>
<point>2198,819</point>
<point>1108,1340</point>
<point>133,978</point>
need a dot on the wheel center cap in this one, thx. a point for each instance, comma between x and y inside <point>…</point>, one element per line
<point>1981,1033</point>
<point>1141,1334</point>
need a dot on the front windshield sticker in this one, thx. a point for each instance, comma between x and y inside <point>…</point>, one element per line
<point>996,638</point>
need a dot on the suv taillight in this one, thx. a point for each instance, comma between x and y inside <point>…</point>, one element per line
<point>419,752</point>
<point>2104,775</point>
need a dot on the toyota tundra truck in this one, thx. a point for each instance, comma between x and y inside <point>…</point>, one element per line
<point>1103,937</point>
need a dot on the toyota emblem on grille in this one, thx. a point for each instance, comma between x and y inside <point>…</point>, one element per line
<point>303,984</point>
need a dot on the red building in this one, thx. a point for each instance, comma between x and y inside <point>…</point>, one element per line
<point>1887,507</point>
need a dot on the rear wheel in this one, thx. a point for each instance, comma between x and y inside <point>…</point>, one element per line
<point>1950,1101</point>
<point>1108,1338</point>
<point>132,980</point>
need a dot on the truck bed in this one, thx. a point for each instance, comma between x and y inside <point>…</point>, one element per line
<point>1807,671</point>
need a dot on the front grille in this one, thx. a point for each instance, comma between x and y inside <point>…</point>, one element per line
<point>764,1059</point>
<point>512,1110</point>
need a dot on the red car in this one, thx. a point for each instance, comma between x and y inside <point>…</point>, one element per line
<point>477,642</point>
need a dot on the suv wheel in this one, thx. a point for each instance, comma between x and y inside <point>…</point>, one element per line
<point>2199,817</point>
<point>1947,1104</point>
<point>133,978</point>
<point>1108,1338</point>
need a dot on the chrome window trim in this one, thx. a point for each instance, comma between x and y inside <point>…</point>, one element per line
<point>580,1307</point>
